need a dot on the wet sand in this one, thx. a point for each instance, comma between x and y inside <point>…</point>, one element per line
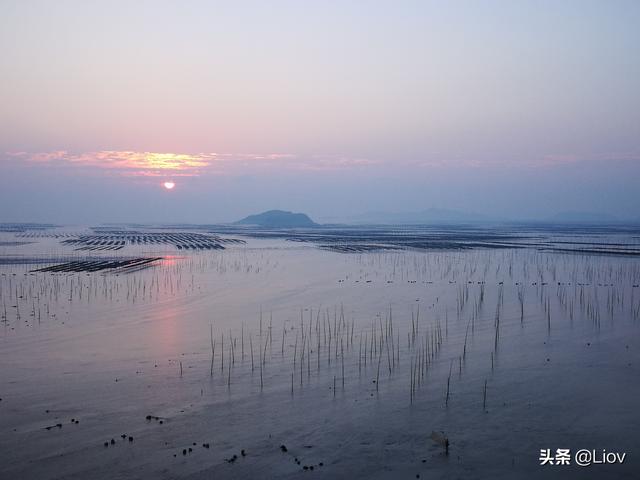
<point>357,359</point>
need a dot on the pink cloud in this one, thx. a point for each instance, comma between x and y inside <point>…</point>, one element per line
<point>154,164</point>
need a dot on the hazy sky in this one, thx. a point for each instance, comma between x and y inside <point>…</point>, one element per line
<point>511,108</point>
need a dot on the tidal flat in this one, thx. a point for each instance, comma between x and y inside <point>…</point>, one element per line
<point>205,352</point>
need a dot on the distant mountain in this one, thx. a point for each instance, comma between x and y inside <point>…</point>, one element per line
<point>278,219</point>
<point>583,217</point>
<point>424,217</point>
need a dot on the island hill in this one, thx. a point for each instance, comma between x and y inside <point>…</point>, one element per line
<point>278,219</point>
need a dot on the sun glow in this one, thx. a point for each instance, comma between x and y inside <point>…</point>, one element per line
<point>169,185</point>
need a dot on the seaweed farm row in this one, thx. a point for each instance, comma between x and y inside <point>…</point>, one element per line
<point>346,239</point>
<point>352,239</point>
<point>121,266</point>
<point>13,244</point>
<point>181,241</point>
<point>45,234</point>
<point>21,228</point>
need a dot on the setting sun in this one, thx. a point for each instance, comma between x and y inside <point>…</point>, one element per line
<point>169,185</point>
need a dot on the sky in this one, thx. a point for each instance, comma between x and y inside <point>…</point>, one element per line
<point>511,109</point>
